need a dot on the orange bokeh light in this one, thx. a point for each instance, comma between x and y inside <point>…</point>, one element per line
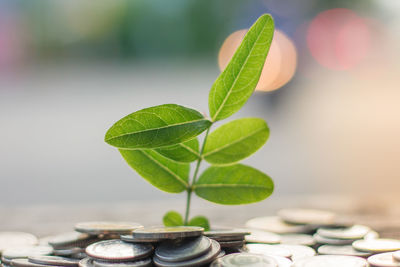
<point>280,64</point>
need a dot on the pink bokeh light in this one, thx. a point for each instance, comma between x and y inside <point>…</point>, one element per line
<point>338,39</point>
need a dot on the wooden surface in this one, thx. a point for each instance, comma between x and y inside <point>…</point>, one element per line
<point>382,214</point>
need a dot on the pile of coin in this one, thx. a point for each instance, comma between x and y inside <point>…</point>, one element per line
<point>310,237</point>
<point>231,240</point>
<point>293,238</point>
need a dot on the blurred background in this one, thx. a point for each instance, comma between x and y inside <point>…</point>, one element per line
<point>70,69</point>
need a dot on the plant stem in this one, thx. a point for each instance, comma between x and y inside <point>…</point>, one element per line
<point>189,189</point>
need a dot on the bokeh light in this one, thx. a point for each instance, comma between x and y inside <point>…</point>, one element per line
<point>338,38</point>
<point>279,67</point>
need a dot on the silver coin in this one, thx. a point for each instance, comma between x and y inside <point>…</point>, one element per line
<point>226,232</point>
<point>276,225</point>
<point>105,228</point>
<point>118,250</point>
<point>182,250</point>
<point>396,255</point>
<point>298,251</point>
<point>331,241</point>
<point>131,239</point>
<point>377,245</point>
<point>353,232</point>
<point>282,261</point>
<point>372,235</point>
<point>259,236</point>
<point>199,261</point>
<point>346,250</point>
<point>168,232</point>
<point>16,239</point>
<point>71,239</point>
<point>244,259</point>
<point>86,262</point>
<point>331,261</point>
<point>232,244</point>
<point>25,252</point>
<point>221,253</point>
<point>307,216</point>
<point>79,256</point>
<point>298,239</point>
<point>53,260</point>
<point>383,260</point>
<point>26,263</point>
<point>227,238</point>
<point>138,263</point>
<point>266,249</point>
<point>68,252</point>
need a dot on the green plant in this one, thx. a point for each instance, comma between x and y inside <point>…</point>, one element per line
<point>160,142</point>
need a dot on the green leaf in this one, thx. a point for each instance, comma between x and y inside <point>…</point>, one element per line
<point>183,152</point>
<point>172,218</point>
<point>155,127</point>
<point>235,140</point>
<point>200,221</point>
<point>163,173</point>
<point>234,184</point>
<point>237,82</point>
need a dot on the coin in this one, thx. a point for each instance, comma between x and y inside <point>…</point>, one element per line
<point>79,256</point>
<point>54,260</point>
<point>118,250</point>
<point>16,239</point>
<point>71,239</point>
<point>331,241</point>
<point>298,239</point>
<point>396,255</point>
<point>131,239</point>
<point>244,259</point>
<point>276,225</point>
<point>138,263</point>
<point>86,262</point>
<point>232,244</point>
<point>371,235</point>
<point>25,252</point>
<point>228,238</point>
<point>353,232</point>
<point>282,261</point>
<point>331,261</point>
<point>97,228</point>
<point>182,250</point>
<point>377,245</point>
<point>26,263</point>
<point>168,232</point>
<point>265,249</point>
<point>221,253</point>
<point>307,216</point>
<point>346,250</point>
<point>198,261</point>
<point>226,232</point>
<point>259,236</point>
<point>383,260</point>
<point>298,251</point>
<point>68,252</point>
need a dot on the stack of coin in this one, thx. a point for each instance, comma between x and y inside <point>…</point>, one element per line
<point>338,243</point>
<point>231,240</point>
<point>9,256</point>
<point>20,245</point>
<point>116,252</point>
<point>172,246</point>
<point>73,244</point>
<point>249,260</point>
<point>384,251</point>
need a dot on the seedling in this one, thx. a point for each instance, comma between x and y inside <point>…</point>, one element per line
<point>161,142</point>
